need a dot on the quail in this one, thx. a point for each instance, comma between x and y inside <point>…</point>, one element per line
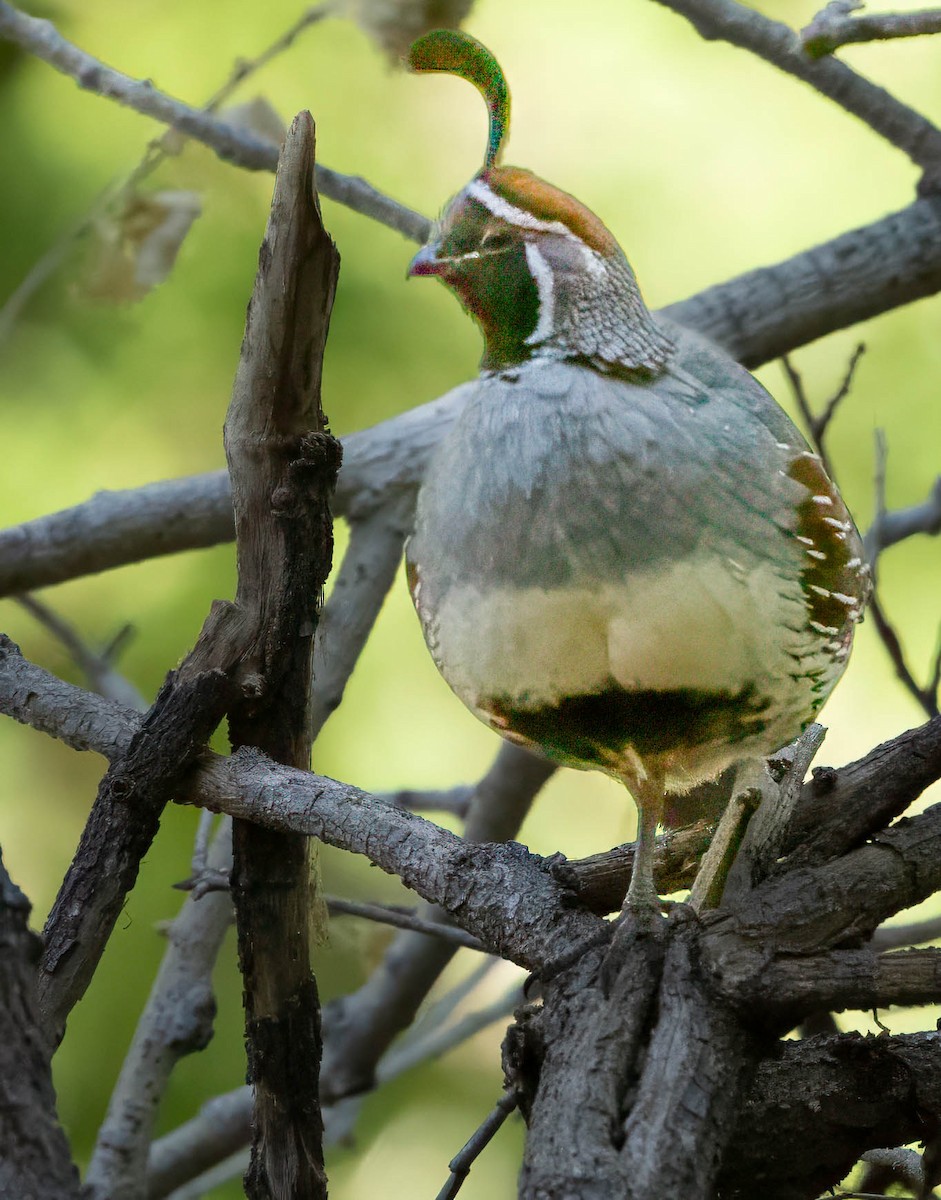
<point>625,556</point>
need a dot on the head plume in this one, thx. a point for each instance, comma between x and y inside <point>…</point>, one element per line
<point>459,54</point>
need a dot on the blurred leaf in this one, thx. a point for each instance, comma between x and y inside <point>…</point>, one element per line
<point>395,24</point>
<point>258,116</point>
<point>135,249</point>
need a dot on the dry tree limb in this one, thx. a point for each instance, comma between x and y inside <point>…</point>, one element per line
<point>157,151</point>
<point>401,918</point>
<point>367,573</point>
<point>176,1020</point>
<point>361,1026</point>
<point>238,146</point>
<point>96,665</point>
<point>889,528</point>
<point>283,467</point>
<point>514,906</point>
<point>460,1165</point>
<point>35,1159</point>
<point>776,43</point>
<point>834,26</point>
<point>914,933</point>
<point>758,316</point>
<point>125,817</point>
<point>819,423</point>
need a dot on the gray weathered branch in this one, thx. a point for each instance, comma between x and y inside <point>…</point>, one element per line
<point>176,1020</point>
<point>835,26</point>
<point>500,893</point>
<point>238,146</point>
<point>756,317</point>
<point>777,44</point>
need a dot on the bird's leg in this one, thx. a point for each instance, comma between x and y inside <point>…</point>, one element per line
<point>642,900</point>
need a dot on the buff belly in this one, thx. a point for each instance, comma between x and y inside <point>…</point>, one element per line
<point>677,672</point>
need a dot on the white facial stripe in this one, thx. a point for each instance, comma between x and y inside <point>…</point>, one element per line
<point>542,274</point>
<point>512,215</point>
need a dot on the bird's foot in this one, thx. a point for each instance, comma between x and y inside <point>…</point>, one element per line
<point>642,908</point>
<point>639,930</point>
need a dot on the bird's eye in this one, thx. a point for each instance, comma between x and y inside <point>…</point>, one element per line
<point>496,239</point>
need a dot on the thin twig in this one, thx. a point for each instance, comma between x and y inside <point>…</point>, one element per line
<point>206,1183</point>
<point>916,933</point>
<point>439,1041</point>
<point>246,67</point>
<point>155,154</point>
<point>834,27</point>
<point>926,697</point>
<point>223,1124</point>
<point>199,859</point>
<point>96,666</point>
<point>450,800</point>
<point>237,146</point>
<point>440,1010</point>
<point>818,423</point>
<point>402,919</point>
<point>462,1162</point>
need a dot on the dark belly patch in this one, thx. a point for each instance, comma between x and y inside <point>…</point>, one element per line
<point>592,730</point>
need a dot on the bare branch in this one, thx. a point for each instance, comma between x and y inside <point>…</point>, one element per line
<point>361,1026</point>
<point>894,121</point>
<point>221,1128</point>
<point>818,424</point>
<point>452,800</point>
<point>834,27</point>
<point>897,937</point>
<point>35,1159</point>
<point>177,1020</point>
<point>758,316</point>
<point>155,154</point>
<point>888,528</point>
<point>927,697</point>
<point>844,979</point>
<point>80,719</point>
<point>98,667</point>
<point>501,893</point>
<point>283,466</point>
<point>402,919</point>
<point>124,821</point>
<point>237,146</point>
<point>462,1162</point>
<point>223,1124</point>
<point>368,570</point>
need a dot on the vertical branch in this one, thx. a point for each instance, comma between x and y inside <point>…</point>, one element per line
<point>34,1154</point>
<point>283,467</point>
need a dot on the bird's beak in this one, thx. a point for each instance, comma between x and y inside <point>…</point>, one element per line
<point>426,261</point>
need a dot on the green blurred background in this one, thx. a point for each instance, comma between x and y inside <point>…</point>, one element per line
<point>702,160</point>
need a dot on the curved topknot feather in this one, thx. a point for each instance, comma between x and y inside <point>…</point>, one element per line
<point>459,54</point>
